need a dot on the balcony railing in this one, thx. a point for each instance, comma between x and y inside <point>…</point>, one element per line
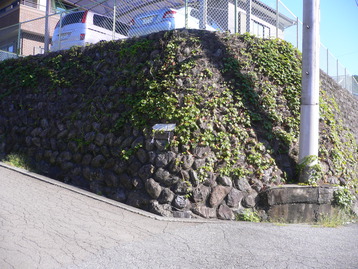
<point>16,3</point>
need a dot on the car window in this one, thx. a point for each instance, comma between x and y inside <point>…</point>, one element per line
<point>107,23</point>
<point>72,18</point>
<point>103,22</point>
<point>122,28</point>
<point>196,14</point>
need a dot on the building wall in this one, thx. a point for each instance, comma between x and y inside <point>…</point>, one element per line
<point>32,44</point>
<point>33,31</point>
<point>10,18</point>
<point>32,28</point>
<point>242,22</point>
<point>38,24</point>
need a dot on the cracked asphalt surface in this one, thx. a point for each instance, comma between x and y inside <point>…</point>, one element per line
<point>47,224</point>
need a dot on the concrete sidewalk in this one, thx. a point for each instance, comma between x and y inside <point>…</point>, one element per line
<point>47,224</point>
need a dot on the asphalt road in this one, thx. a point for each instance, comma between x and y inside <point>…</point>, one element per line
<point>46,224</point>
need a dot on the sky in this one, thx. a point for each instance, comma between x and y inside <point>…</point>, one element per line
<point>338,29</point>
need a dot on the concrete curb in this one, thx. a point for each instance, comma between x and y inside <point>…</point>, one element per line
<point>101,198</point>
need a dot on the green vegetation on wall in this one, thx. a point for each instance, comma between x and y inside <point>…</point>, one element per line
<point>237,94</point>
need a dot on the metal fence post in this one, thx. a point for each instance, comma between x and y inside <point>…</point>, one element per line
<point>235,10</point>
<point>186,14</point>
<point>277,18</point>
<point>297,33</point>
<point>60,31</point>
<point>114,19</point>
<point>19,46</point>
<point>47,26</point>
<point>352,84</point>
<point>203,14</point>
<point>327,61</point>
<point>248,16</point>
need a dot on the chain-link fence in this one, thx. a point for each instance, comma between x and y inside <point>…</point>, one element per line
<point>116,19</point>
<point>28,36</point>
<point>332,67</point>
<point>7,55</point>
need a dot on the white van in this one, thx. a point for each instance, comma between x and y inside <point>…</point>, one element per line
<point>85,27</point>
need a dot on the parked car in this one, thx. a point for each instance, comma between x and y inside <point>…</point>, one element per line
<point>168,19</point>
<point>85,27</point>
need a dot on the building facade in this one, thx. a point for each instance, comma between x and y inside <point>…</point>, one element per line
<point>22,26</point>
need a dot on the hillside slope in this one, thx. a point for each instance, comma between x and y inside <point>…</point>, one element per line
<point>86,115</point>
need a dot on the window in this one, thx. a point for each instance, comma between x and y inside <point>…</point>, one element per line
<point>107,23</point>
<point>63,6</point>
<point>72,18</point>
<point>31,3</point>
<point>9,48</point>
<point>103,22</point>
<point>260,30</point>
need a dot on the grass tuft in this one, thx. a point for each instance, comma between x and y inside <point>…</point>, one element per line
<point>337,219</point>
<point>18,160</point>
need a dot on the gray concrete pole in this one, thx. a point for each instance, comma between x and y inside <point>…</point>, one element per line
<point>47,26</point>
<point>309,127</point>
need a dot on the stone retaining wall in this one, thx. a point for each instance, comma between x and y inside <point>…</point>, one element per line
<point>138,167</point>
<point>348,103</point>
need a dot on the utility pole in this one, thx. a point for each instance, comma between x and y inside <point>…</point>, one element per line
<point>47,27</point>
<point>309,127</point>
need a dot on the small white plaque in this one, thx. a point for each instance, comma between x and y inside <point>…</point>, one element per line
<point>164,127</point>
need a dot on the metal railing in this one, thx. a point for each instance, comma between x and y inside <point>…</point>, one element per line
<point>332,67</point>
<point>264,18</point>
